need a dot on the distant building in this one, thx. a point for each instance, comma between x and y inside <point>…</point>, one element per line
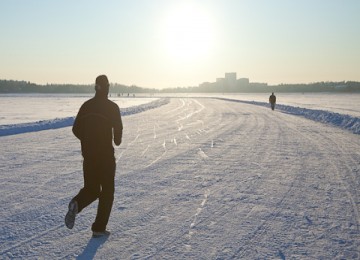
<point>220,84</point>
<point>243,81</point>
<point>228,84</point>
<point>230,79</point>
<point>204,85</point>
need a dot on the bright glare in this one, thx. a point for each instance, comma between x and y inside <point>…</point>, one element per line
<point>188,34</point>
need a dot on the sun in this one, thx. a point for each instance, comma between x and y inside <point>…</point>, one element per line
<point>188,33</point>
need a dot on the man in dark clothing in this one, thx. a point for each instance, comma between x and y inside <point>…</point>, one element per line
<point>96,125</point>
<point>272,100</point>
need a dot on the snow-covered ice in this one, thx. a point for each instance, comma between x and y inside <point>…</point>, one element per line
<point>41,125</point>
<point>197,178</point>
<point>29,108</point>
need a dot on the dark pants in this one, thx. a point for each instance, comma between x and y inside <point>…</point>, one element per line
<point>99,184</point>
<point>272,106</point>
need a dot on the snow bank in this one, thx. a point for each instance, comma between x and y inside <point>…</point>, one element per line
<point>14,129</point>
<point>346,122</point>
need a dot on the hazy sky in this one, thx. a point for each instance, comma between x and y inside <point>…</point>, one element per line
<point>167,43</point>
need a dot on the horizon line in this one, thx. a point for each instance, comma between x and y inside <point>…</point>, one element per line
<point>134,85</point>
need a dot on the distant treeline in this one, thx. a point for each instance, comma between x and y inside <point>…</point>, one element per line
<point>348,86</point>
<point>12,86</point>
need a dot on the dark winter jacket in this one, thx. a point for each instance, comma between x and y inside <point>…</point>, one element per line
<point>97,124</point>
<point>272,99</point>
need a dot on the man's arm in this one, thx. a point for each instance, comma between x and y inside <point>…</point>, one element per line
<point>118,127</point>
<point>77,127</point>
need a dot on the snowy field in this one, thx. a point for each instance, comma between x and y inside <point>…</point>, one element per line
<point>25,108</point>
<point>335,102</point>
<point>197,178</point>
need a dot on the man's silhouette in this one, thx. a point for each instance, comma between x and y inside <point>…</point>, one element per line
<point>97,124</point>
<point>272,101</point>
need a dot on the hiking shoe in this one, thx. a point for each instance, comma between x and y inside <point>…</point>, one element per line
<point>97,234</point>
<point>71,214</point>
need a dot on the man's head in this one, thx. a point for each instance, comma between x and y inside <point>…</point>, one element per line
<point>102,84</point>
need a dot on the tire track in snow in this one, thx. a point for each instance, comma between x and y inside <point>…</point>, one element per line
<point>127,147</point>
<point>31,238</point>
<point>193,223</point>
<point>199,209</point>
<point>180,128</point>
<point>265,226</point>
<point>155,132</point>
<point>320,143</point>
<point>146,149</point>
<point>324,145</point>
<point>177,108</point>
<point>203,155</point>
<point>335,165</point>
<point>161,156</point>
<point>202,107</point>
<point>209,142</point>
<point>143,127</point>
<point>260,127</point>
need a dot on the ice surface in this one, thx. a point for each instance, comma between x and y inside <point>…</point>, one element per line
<point>196,178</point>
<point>29,108</point>
<point>56,123</point>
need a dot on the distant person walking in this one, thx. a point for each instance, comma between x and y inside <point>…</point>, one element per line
<point>97,124</point>
<point>272,100</point>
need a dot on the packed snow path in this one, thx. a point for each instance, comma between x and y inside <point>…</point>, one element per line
<point>196,179</point>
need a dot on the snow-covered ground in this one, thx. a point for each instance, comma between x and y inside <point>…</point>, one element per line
<point>29,108</point>
<point>197,178</point>
<point>342,103</point>
<point>31,113</point>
